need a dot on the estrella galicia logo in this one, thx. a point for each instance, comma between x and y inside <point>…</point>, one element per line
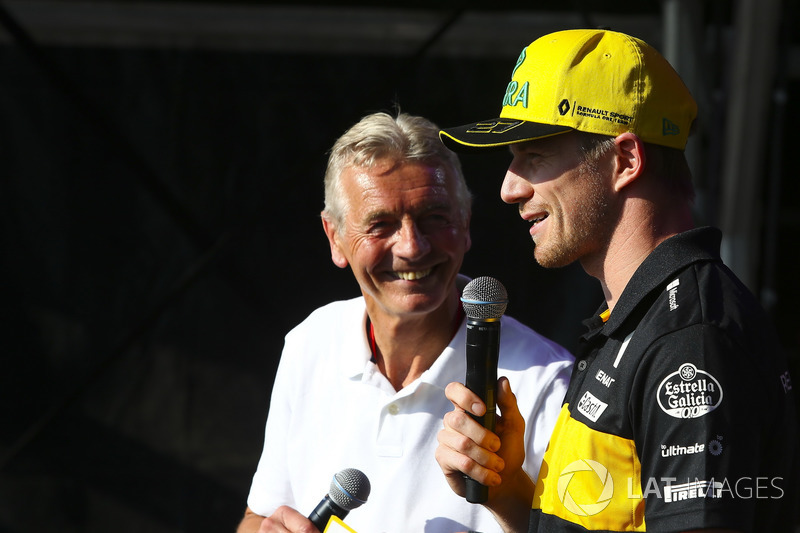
<point>579,501</point>
<point>669,128</point>
<point>563,107</point>
<point>689,393</point>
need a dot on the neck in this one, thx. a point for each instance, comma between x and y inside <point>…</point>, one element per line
<point>406,346</point>
<point>639,231</point>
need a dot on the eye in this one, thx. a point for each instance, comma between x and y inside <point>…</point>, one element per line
<point>434,221</point>
<point>528,151</point>
<point>380,227</point>
<point>532,154</point>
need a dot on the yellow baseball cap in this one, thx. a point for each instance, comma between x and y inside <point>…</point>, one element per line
<point>596,81</point>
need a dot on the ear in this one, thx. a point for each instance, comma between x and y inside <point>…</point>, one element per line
<point>629,160</point>
<point>331,231</point>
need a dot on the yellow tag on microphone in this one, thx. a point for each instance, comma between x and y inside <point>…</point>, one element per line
<point>335,525</point>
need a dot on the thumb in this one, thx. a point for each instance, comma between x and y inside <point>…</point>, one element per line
<point>506,399</point>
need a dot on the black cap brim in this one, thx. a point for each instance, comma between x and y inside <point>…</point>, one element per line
<point>496,133</point>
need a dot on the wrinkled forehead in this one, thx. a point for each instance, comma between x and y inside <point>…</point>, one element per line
<point>387,177</point>
<point>405,188</point>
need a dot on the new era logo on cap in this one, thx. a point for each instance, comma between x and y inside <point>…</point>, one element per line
<point>669,128</point>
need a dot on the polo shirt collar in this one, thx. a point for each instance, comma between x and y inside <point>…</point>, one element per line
<point>448,367</point>
<point>669,257</point>
<point>355,364</point>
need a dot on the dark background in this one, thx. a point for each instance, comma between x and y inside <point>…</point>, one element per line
<point>160,234</point>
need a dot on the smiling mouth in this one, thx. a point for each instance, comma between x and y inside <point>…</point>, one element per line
<point>413,276</point>
<point>536,220</point>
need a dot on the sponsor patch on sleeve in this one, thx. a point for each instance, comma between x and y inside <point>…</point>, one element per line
<point>689,393</point>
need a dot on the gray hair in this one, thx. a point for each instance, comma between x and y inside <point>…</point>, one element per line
<point>380,136</point>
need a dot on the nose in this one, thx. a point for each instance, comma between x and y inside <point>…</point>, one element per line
<point>411,242</point>
<point>515,188</point>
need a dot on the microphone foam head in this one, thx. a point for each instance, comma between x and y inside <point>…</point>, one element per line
<point>484,298</point>
<point>349,488</point>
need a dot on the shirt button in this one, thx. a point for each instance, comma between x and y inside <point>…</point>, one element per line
<point>582,365</point>
<point>394,409</point>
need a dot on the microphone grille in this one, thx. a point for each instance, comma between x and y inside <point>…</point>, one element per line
<point>484,298</point>
<point>349,488</point>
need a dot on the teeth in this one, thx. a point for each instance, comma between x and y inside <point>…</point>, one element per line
<point>411,276</point>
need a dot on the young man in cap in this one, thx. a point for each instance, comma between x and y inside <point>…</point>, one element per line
<point>680,412</point>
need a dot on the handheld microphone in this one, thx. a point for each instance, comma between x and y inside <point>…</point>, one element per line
<point>484,300</point>
<point>349,489</point>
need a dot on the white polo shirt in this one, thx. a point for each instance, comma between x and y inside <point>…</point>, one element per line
<point>332,409</point>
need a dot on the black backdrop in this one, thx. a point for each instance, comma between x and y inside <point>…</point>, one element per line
<point>161,233</point>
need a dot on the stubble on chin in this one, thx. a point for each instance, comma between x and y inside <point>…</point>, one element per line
<point>578,234</point>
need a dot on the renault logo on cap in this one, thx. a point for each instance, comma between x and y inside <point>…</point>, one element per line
<point>563,107</point>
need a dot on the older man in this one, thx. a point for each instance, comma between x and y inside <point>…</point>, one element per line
<point>361,382</point>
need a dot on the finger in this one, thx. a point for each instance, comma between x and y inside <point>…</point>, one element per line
<point>471,450</point>
<point>507,400</point>
<point>511,428</point>
<point>449,462</point>
<point>465,399</point>
<point>465,425</point>
<point>510,420</point>
<point>467,437</point>
<point>479,464</point>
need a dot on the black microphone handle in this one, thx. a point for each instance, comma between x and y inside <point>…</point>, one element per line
<point>483,349</point>
<point>323,511</point>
